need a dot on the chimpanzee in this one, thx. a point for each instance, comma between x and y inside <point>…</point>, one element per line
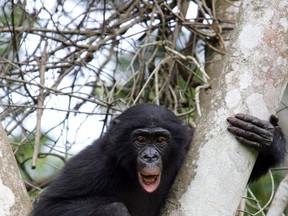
<point>130,169</point>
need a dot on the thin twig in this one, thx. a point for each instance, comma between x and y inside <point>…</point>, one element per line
<point>40,103</point>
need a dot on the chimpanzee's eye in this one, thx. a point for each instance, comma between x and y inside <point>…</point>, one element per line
<point>140,141</point>
<point>161,141</point>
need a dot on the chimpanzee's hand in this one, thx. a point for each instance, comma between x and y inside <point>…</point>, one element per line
<point>253,131</point>
<point>265,136</point>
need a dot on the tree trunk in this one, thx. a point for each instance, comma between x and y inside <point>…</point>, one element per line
<point>252,81</point>
<point>280,200</point>
<point>14,199</point>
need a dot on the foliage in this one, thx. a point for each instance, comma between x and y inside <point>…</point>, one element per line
<point>261,193</point>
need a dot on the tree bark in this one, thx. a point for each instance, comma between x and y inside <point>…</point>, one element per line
<point>14,199</point>
<point>252,81</point>
<point>280,200</point>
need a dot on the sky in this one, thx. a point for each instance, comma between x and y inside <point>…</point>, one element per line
<point>81,130</point>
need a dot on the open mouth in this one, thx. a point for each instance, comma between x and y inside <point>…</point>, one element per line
<point>149,180</point>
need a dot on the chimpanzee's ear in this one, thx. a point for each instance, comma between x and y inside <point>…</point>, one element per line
<point>116,121</point>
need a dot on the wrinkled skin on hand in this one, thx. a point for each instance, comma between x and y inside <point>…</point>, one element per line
<point>264,136</point>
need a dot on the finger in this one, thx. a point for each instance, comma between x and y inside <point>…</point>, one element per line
<point>254,120</point>
<point>274,120</point>
<point>250,143</point>
<point>250,136</point>
<point>266,134</point>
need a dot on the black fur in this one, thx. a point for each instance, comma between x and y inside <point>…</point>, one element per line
<point>102,179</point>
